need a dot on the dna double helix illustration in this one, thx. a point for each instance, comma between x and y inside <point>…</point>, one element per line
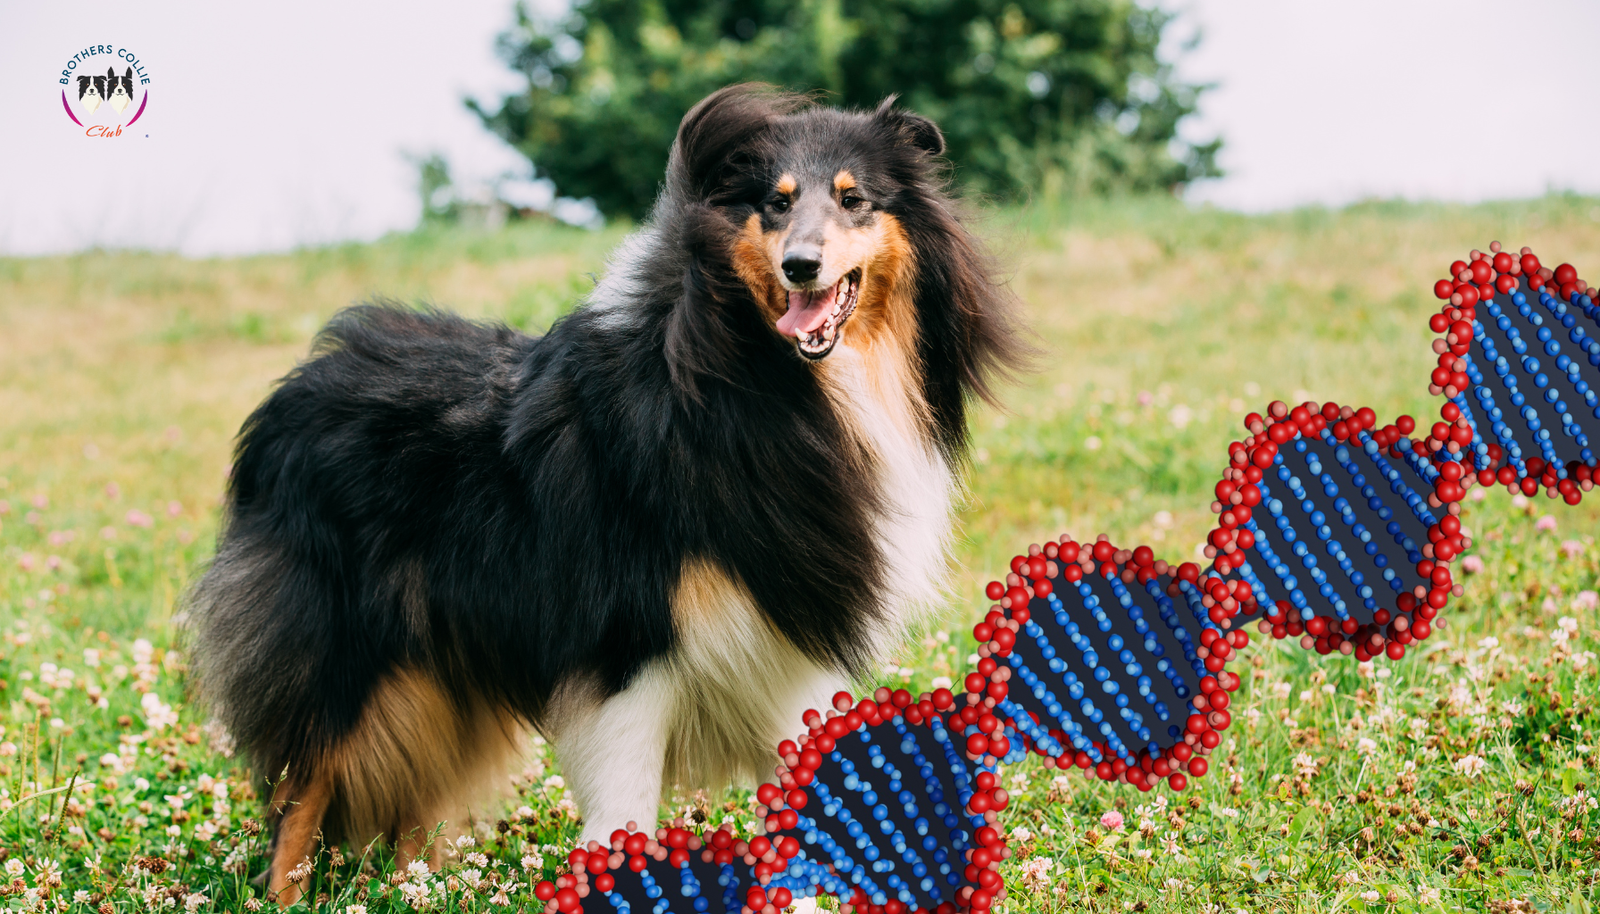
<point>1331,529</point>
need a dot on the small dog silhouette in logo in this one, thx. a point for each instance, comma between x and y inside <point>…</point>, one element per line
<point>121,88</point>
<point>91,92</point>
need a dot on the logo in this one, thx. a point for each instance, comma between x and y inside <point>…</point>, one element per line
<point>98,102</point>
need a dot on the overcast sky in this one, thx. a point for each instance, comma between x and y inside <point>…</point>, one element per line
<point>271,126</point>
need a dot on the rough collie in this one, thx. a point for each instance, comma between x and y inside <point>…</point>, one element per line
<point>700,504</point>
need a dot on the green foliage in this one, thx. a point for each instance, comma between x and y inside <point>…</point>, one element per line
<point>1401,788</point>
<point>1059,96</point>
<point>434,188</point>
<point>1548,723</point>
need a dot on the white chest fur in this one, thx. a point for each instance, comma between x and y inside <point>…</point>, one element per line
<point>875,395</point>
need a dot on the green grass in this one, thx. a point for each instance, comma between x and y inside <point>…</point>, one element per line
<point>1458,778</point>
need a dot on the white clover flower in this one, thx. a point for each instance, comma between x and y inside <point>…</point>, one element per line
<point>1305,766</point>
<point>1366,746</point>
<point>555,782</point>
<point>941,682</point>
<point>1427,894</point>
<point>157,714</point>
<point>417,869</point>
<point>1470,765</point>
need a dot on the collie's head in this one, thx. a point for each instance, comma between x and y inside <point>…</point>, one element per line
<point>833,229</point>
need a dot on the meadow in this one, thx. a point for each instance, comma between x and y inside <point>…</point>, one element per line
<point>1456,779</point>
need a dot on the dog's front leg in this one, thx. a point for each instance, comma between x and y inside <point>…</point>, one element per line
<point>612,753</point>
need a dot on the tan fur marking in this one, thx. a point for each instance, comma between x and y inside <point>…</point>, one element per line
<point>884,326</point>
<point>302,808</point>
<point>728,649</point>
<point>787,185</point>
<point>844,181</point>
<point>754,257</point>
<point>415,757</point>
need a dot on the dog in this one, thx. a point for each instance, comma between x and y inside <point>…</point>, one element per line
<point>91,92</point>
<point>121,89</point>
<point>698,505</point>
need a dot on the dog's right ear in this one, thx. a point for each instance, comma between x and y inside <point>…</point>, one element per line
<point>912,129</point>
<point>722,126</point>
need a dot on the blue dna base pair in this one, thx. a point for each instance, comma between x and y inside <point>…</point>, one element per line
<point>880,804</point>
<point>1331,529</point>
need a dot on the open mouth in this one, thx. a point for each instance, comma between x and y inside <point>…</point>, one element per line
<point>816,318</point>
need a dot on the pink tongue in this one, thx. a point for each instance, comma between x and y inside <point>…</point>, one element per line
<point>807,311</point>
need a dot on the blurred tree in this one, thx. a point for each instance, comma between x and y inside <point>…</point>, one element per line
<point>1051,96</point>
<point>435,188</point>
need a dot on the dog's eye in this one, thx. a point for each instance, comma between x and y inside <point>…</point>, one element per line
<point>851,201</point>
<point>780,205</point>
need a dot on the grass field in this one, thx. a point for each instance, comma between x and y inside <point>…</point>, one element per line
<point>1456,779</point>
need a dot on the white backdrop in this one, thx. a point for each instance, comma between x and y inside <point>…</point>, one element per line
<point>271,126</point>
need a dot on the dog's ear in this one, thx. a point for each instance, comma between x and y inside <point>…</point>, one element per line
<point>111,72</point>
<point>913,129</point>
<point>721,129</point>
<point>702,336</point>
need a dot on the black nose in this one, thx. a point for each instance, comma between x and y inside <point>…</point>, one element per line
<point>802,266</point>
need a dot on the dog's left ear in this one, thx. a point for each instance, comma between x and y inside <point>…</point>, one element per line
<point>914,129</point>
